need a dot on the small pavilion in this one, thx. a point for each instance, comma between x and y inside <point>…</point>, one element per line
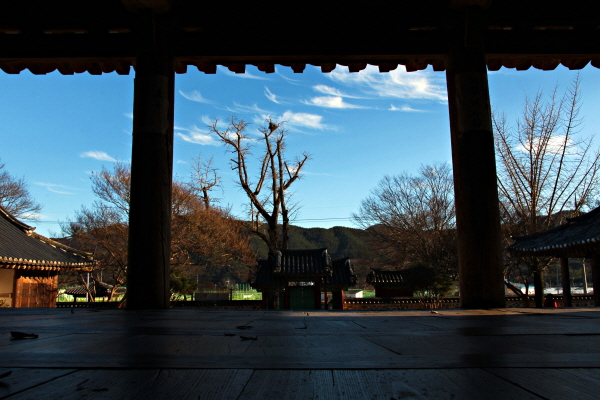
<point>579,237</point>
<point>295,279</point>
<point>30,263</point>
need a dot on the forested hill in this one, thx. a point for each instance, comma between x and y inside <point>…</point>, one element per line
<point>339,241</point>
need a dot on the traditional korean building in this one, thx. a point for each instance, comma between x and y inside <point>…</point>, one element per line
<point>30,263</point>
<point>579,237</point>
<point>388,283</point>
<point>295,279</point>
<point>159,38</point>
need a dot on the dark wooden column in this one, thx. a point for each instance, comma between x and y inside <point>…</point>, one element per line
<point>474,166</point>
<point>337,298</point>
<point>287,297</point>
<point>566,282</point>
<point>595,261</point>
<point>151,166</point>
<point>317,294</point>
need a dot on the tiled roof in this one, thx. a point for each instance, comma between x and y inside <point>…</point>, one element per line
<point>578,237</point>
<point>294,265</point>
<point>264,278</point>
<point>343,275</point>
<point>102,290</point>
<point>301,264</point>
<point>382,278</point>
<point>21,248</point>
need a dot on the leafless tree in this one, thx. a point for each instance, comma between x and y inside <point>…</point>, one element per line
<point>545,173</point>
<point>204,179</point>
<point>202,237</point>
<point>412,219</point>
<point>15,196</point>
<point>269,194</point>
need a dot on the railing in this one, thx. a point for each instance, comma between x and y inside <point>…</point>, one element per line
<point>377,303</point>
<point>221,304</point>
<point>411,303</point>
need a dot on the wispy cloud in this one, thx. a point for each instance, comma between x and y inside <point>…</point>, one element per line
<point>405,108</point>
<point>396,84</point>
<point>98,155</point>
<point>272,96</point>
<point>56,188</point>
<point>290,80</point>
<point>245,75</point>
<point>331,102</point>
<point>333,91</point>
<point>128,115</point>
<point>303,120</point>
<point>197,136</point>
<point>195,95</point>
<point>222,123</point>
<point>239,108</point>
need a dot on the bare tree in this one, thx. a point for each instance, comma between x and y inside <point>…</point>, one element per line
<point>204,179</point>
<point>545,173</point>
<point>411,219</point>
<point>202,237</point>
<point>269,194</point>
<point>15,196</point>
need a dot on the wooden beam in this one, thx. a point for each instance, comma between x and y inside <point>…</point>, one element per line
<point>151,169</point>
<point>473,158</point>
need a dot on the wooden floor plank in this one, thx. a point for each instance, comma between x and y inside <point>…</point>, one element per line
<point>192,384</point>
<point>92,385</point>
<point>298,384</point>
<point>20,379</point>
<point>554,384</point>
<point>425,384</point>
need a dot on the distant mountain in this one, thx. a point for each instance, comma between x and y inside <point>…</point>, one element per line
<point>340,241</point>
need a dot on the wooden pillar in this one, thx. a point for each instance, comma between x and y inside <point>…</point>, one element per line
<point>286,298</point>
<point>566,282</point>
<point>474,166</point>
<point>595,261</point>
<point>151,166</point>
<point>317,295</point>
<point>337,298</point>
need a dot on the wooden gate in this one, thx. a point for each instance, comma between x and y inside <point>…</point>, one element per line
<point>302,297</point>
<point>35,292</point>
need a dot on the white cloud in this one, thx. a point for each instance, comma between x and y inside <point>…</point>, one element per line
<point>404,108</point>
<point>271,96</point>
<point>304,120</point>
<point>333,91</point>
<point>98,155</point>
<point>554,145</point>
<point>56,188</point>
<point>195,95</point>
<point>396,84</point>
<point>128,115</point>
<point>330,102</point>
<point>197,136</point>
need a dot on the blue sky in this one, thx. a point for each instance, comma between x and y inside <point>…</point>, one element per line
<point>357,128</point>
